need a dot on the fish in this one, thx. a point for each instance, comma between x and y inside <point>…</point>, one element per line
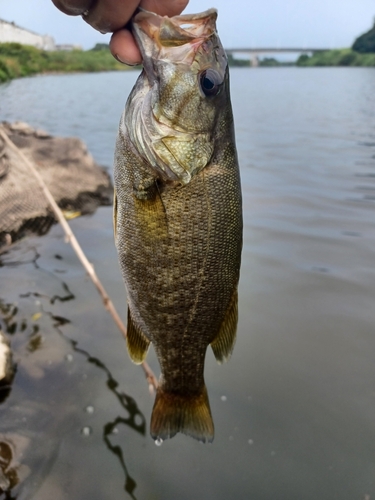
<point>178,214</point>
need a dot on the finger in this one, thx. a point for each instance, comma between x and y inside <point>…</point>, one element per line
<point>124,48</point>
<point>165,7</point>
<point>110,15</point>
<point>73,7</point>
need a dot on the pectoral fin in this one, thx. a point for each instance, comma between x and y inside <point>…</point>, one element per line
<point>223,344</point>
<point>136,342</point>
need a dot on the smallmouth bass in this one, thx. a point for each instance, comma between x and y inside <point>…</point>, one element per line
<point>178,213</point>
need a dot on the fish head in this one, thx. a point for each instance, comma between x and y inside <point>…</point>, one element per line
<point>186,70</point>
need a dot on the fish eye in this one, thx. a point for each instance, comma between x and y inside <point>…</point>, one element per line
<point>210,82</point>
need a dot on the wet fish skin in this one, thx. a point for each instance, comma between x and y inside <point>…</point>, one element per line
<point>178,215</point>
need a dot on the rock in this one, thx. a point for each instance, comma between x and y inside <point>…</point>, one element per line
<point>42,134</point>
<point>5,483</point>
<point>76,182</point>
<point>4,163</point>
<point>21,128</point>
<point>12,472</point>
<point>6,364</point>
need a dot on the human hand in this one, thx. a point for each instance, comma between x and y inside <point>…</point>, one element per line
<point>111,16</point>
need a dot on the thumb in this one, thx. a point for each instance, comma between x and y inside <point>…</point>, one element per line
<point>165,7</point>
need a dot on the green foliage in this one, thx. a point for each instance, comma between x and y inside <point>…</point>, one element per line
<point>365,43</point>
<point>269,62</point>
<point>101,46</point>
<point>21,60</point>
<point>348,59</point>
<point>362,53</point>
<point>237,62</point>
<point>18,60</point>
<point>5,71</point>
<point>342,57</point>
<point>302,60</point>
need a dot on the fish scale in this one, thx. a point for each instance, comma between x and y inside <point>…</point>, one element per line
<point>179,242</point>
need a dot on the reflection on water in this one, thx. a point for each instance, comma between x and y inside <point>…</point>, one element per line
<point>8,473</point>
<point>33,333</point>
<point>135,420</point>
<point>294,409</point>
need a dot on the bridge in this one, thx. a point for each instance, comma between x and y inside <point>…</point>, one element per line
<point>254,52</point>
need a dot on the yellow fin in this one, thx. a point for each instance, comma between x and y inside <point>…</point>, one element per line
<point>136,342</point>
<point>188,414</point>
<point>115,214</point>
<point>223,344</point>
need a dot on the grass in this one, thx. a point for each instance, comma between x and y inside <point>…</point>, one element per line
<point>18,60</point>
<point>340,57</point>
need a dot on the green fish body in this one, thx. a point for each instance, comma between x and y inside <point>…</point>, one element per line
<point>178,214</point>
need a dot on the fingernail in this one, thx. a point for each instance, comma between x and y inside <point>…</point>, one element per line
<point>125,62</point>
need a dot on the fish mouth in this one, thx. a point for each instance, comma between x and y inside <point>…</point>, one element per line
<point>175,51</point>
<point>176,39</point>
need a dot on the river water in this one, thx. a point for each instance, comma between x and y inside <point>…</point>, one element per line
<point>294,407</point>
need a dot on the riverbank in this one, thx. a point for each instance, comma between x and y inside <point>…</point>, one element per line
<point>338,57</point>
<point>18,60</point>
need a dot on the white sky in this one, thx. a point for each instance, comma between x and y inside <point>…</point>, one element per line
<point>242,23</point>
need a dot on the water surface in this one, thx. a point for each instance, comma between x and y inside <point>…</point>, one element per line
<point>294,408</point>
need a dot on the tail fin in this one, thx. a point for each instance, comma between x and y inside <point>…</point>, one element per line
<point>190,415</point>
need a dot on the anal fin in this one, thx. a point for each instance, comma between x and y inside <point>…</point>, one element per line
<point>137,343</point>
<point>223,343</point>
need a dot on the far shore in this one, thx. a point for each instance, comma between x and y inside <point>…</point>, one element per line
<point>17,61</point>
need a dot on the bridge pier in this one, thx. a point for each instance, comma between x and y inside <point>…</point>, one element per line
<point>254,60</point>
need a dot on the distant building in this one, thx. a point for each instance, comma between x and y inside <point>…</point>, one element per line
<point>10,32</point>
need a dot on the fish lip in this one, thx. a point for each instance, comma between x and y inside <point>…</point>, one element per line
<point>196,21</point>
<point>160,37</point>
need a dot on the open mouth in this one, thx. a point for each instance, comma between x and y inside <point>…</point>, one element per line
<point>177,38</point>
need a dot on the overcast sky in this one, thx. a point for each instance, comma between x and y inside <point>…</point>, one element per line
<point>242,23</point>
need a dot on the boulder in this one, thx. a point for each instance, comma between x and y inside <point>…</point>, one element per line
<point>6,364</point>
<point>76,182</point>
